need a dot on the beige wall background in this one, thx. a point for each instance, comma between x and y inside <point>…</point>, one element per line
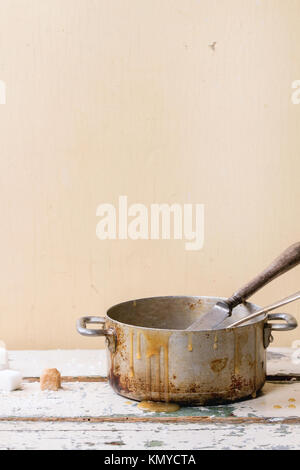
<point>126,97</point>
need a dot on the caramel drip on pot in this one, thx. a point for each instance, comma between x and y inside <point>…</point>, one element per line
<point>138,346</point>
<point>166,356</point>
<point>216,342</point>
<point>148,376</point>
<point>155,341</point>
<point>158,374</point>
<point>190,342</point>
<point>131,368</point>
<point>255,358</point>
<point>236,353</point>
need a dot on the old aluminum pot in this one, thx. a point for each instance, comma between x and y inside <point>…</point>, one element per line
<point>152,357</point>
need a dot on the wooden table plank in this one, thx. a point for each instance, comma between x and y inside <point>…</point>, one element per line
<point>97,400</point>
<point>86,414</point>
<point>148,436</point>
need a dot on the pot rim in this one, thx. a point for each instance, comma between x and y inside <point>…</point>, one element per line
<point>254,322</point>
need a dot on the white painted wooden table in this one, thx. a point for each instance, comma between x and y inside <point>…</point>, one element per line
<point>87,414</point>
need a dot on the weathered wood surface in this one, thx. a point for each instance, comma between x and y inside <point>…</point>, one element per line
<point>97,401</point>
<point>283,362</point>
<point>87,414</point>
<point>149,436</point>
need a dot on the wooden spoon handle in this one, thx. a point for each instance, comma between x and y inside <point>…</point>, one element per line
<point>286,261</point>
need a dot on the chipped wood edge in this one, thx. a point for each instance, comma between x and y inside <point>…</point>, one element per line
<point>283,378</point>
<point>157,419</point>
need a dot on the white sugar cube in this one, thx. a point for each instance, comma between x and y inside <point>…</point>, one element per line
<point>10,380</point>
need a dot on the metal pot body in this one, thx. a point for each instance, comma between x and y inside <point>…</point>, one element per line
<point>151,356</point>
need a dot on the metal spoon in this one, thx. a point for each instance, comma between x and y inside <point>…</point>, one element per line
<point>280,303</point>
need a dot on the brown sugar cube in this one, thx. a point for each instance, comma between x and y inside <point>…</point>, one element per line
<point>50,380</point>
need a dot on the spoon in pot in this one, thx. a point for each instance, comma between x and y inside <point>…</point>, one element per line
<point>223,309</point>
<point>280,303</point>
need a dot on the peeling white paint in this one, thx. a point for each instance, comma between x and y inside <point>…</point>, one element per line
<point>277,401</point>
<point>280,362</point>
<point>150,436</point>
<point>96,399</point>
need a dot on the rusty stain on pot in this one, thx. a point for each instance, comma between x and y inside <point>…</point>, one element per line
<point>249,360</point>
<point>190,342</point>
<point>237,383</point>
<point>218,364</point>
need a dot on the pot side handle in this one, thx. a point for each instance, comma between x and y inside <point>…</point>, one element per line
<point>84,331</point>
<point>110,334</point>
<point>290,322</point>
